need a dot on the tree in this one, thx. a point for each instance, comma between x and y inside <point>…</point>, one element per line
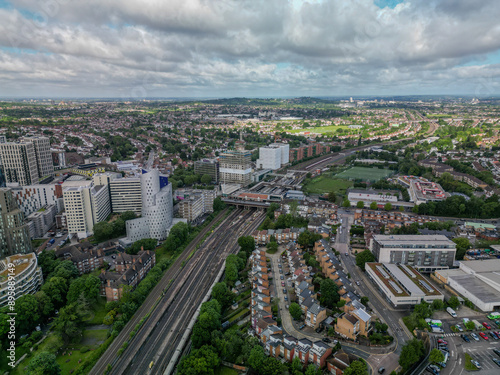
<point>295,310</point>
<point>293,205</point>
<point>69,322</point>
<point>329,293</point>
<point>401,208</point>
<point>206,179</point>
<point>144,244</point>
<point>312,370</point>
<point>202,329</point>
<point>436,356</point>
<point>247,244</point>
<point>463,244</point>
<point>388,206</point>
<point>66,269</point>
<point>231,272</point>
<point>218,205</point>
<point>271,366</point>
<point>103,231</point>
<point>373,206</point>
<point>360,204</point>
<point>411,353</point>
<point>296,366</point>
<point>437,304</point>
<point>364,300</point>
<point>454,302</point>
<point>346,203</point>
<point>200,362</point>
<point>257,357</point>
<point>332,197</point>
<point>45,305</point>
<point>128,215</point>
<point>222,294</point>
<point>28,315</point>
<point>272,247</point>
<point>47,260</point>
<point>43,363</point>
<point>56,288</point>
<point>357,367</point>
<point>363,257</point>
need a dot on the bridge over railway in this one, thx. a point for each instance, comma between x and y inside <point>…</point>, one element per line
<point>246,203</point>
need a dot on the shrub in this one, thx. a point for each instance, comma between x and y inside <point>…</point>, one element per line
<point>84,349</point>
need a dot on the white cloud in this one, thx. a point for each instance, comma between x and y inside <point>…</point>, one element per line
<point>245,47</point>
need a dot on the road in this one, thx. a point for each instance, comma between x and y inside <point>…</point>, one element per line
<point>159,338</point>
<point>110,354</point>
<point>385,312</point>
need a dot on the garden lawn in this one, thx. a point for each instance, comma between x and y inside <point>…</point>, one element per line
<point>362,173</point>
<point>326,184</point>
<point>320,129</point>
<point>98,312</point>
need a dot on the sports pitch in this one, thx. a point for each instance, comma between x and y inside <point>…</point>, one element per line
<point>368,174</point>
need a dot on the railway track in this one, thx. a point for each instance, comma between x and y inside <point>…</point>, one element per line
<point>110,355</point>
<point>157,341</point>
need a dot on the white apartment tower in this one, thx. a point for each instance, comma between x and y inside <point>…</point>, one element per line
<point>273,156</point>
<point>86,204</point>
<point>235,167</point>
<point>125,193</point>
<point>157,210</point>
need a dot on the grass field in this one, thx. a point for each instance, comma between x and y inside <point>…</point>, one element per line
<point>361,173</point>
<point>326,184</point>
<point>320,129</point>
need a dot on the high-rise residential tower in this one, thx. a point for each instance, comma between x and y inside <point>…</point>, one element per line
<point>14,233</point>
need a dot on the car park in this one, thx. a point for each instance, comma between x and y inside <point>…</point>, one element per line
<point>483,335</point>
<point>474,336</point>
<point>465,338</point>
<point>486,325</point>
<point>476,363</point>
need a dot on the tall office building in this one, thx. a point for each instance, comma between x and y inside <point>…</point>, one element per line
<point>209,167</point>
<point>235,167</point>
<point>424,252</point>
<point>85,204</point>
<point>19,162</point>
<point>14,233</point>
<point>126,195</point>
<point>157,210</point>
<point>43,155</point>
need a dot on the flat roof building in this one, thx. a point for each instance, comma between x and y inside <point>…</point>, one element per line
<point>402,285</point>
<point>476,280</point>
<point>425,252</point>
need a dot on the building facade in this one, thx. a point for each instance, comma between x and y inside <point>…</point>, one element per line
<point>209,167</point>
<point>425,252</point>
<point>19,163</point>
<point>157,209</point>
<point>14,233</point>
<point>235,167</point>
<point>43,155</point>
<point>126,195</point>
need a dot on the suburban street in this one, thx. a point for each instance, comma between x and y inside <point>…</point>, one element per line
<point>380,307</point>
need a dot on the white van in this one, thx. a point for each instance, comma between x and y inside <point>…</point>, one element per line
<point>451,312</point>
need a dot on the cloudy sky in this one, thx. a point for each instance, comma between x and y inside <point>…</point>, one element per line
<point>264,48</point>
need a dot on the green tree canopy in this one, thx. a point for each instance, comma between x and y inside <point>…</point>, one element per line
<point>295,310</point>
<point>363,257</point>
<point>454,302</point>
<point>463,244</point>
<point>360,204</point>
<point>201,361</point>
<point>411,353</point>
<point>69,323</point>
<point>27,311</point>
<point>373,206</point>
<point>436,356</point>
<point>222,294</point>
<point>329,293</point>
<point>43,363</point>
<point>358,367</point>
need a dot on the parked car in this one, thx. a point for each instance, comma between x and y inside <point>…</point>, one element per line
<point>496,360</point>
<point>483,335</point>
<point>358,283</point>
<point>432,370</point>
<point>302,326</point>
<point>319,329</point>
<point>465,338</point>
<point>443,347</point>
<point>474,336</point>
<point>381,370</point>
<point>476,363</point>
<point>493,336</point>
<point>441,341</point>
<point>459,327</point>
<point>282,277</point>
<point>284,291</point>
<point>326,339</point>
<point>486,325</point>
<point>497,334</point>
<point>282,283</point>
<point>496,351</point>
